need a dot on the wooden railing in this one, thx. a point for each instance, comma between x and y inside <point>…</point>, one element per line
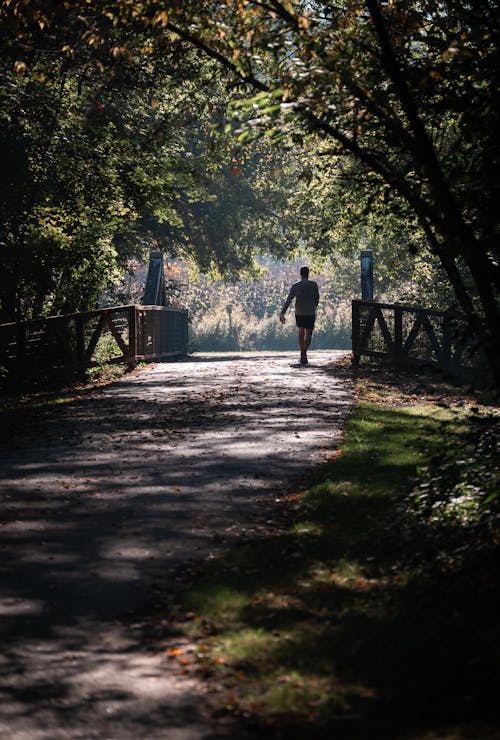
<point>127,334</point>
<point>413,335</point>
<point>161,332</point>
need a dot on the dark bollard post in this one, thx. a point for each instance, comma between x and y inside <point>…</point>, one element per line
<point>366,256</point>
<point>359,312</point>
<point>154,290</point>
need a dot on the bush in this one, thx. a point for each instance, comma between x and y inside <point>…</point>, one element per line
<point>217,331</point>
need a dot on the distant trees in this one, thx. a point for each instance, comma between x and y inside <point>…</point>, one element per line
<point>244,315</point>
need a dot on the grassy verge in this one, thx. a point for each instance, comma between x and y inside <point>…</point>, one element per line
<point>376,613</point>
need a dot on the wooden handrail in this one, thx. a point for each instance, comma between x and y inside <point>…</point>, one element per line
<point>379,330</point>
<point>409,307</point>
<point>139,332</point>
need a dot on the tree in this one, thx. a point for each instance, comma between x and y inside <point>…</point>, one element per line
<point>79,149</point>
<point>407,91</point>
<point>400,96</point>
<point>108,150</point>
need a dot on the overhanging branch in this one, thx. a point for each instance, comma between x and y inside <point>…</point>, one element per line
<point>215,54</point>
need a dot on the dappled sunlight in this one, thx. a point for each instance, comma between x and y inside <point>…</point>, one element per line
<point>110,497</point>
<point>356,622</point>
<point>81,674</point>
<point>16,606</point>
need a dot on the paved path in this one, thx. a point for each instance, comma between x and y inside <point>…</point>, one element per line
<point>107,501</point>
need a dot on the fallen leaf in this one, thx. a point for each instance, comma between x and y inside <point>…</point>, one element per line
<point>173,653</point>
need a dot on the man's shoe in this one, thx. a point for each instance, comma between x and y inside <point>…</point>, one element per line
<point>303,358</point>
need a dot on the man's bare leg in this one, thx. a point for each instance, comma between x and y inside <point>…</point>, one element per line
<point>303,345</point>
<point>302,339</point>
<point>305,336</point>
<point>308,338</point>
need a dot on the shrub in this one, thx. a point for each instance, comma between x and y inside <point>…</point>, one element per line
<point>216,331</point>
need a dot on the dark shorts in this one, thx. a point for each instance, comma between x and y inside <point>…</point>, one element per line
<point>305,322</point>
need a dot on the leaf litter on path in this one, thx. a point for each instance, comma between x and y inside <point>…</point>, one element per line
<point>233,451</point>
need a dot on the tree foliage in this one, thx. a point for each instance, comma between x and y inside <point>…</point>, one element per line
<point>397,99</point>
<point>405,92</point>
<point>107,150</point>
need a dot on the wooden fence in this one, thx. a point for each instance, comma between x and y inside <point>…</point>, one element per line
<point>413,335</point>
<point>110,335</point>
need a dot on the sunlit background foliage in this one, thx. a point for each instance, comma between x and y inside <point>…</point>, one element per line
<point>217,132</point>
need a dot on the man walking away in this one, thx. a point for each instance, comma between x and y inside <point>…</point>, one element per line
<point>306,294</point>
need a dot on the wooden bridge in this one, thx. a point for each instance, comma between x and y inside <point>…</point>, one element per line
<point>409,335</point>
<point>127,334</point>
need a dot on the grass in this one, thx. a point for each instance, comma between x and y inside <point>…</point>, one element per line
<point>374,614</point>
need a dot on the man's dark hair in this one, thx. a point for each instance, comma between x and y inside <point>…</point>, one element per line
<point>304,272</point>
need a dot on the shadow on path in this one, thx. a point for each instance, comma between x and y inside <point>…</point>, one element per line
<point>109,501</point>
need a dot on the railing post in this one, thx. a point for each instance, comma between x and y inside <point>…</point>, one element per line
<point>356,333</point>
<point>80,342</point>
<point>446,357</point>
<point>398,332</point>
<point>156,333</point>
<point>185,333</point>
<point>132,334</point>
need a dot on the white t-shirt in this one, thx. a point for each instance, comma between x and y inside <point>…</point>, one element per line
<point>306,294</point>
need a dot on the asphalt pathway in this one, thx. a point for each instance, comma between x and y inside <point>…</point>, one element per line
<point>111,499</point>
